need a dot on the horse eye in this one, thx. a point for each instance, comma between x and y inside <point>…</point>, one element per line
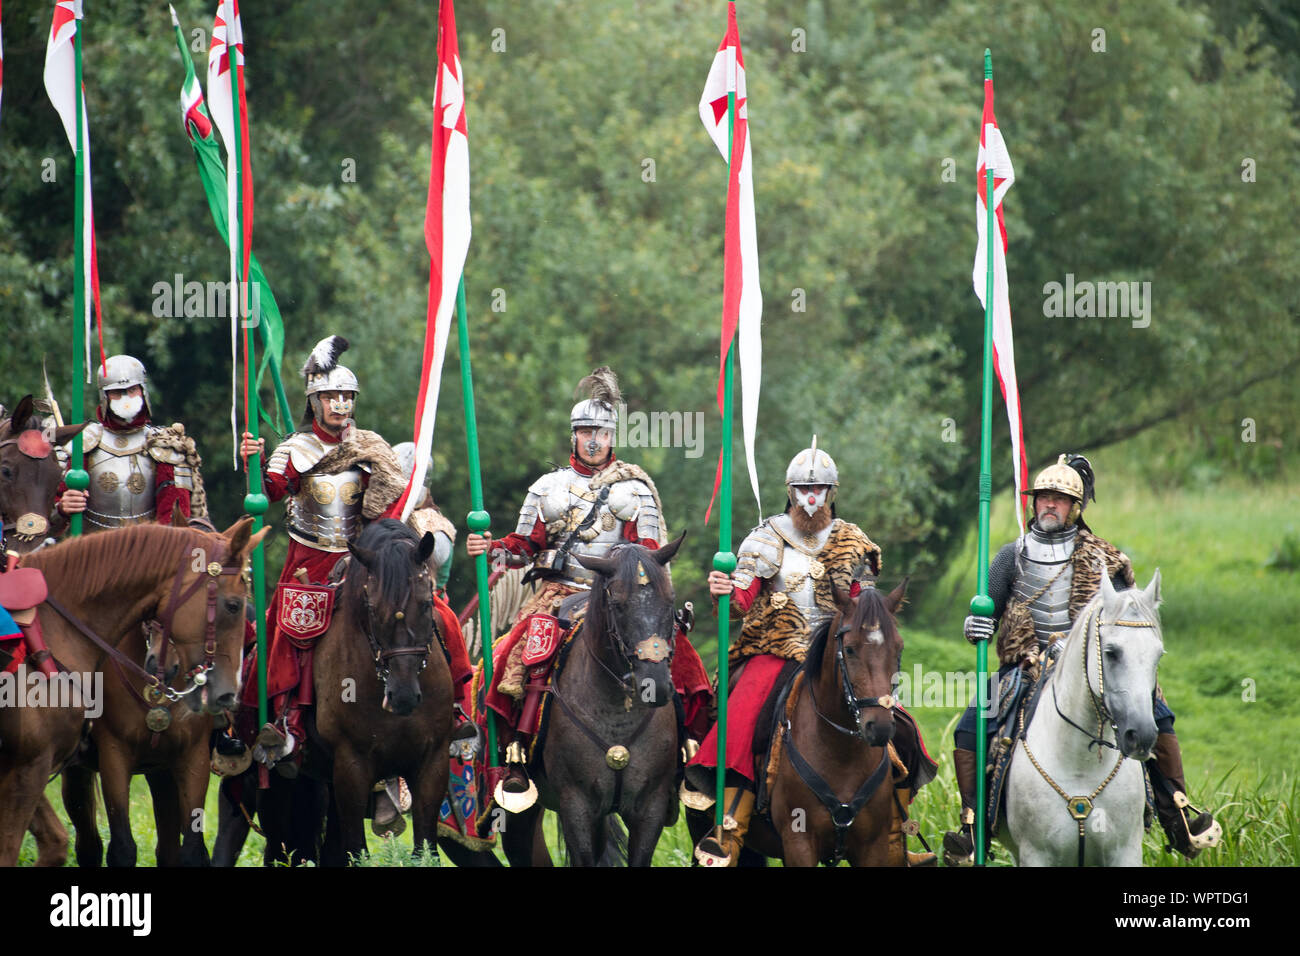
<point>850,652</point>
<point>7,472</point>
<point>234,605</point>
<point>1113,653</point>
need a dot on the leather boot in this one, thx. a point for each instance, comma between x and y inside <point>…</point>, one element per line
<point>1189,830</point>
<point>959,846</point>
<point>721,847</point>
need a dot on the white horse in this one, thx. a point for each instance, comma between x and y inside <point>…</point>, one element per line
<point>1072,797</point>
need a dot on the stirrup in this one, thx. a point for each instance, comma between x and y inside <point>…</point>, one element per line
<point>515,801</point>
<point>694,799</point>
<point>711,852</point>
<point>390,821</point>
<point>959,846</point>
<point>1209,835</point>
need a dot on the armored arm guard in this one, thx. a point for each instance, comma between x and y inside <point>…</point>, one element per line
<point>759,556</point>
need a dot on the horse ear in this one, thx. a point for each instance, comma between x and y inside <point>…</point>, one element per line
<point>178,516</point>
<point>894,601</point>
<point>841,598</point>
<point>361,554</point>
<point>665,554</point>
<point>1152,590</point>
<point>25,409</point>
<point>605,566</point>
<point>65,433</point>
<point>424,548</point>
<point>256,539</point>
<point>1108,592</point>
<point>237,534</point>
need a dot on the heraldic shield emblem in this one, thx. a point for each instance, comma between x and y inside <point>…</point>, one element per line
<point>305,610</point>
<point>543,638</point>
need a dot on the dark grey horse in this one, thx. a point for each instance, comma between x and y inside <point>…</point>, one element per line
<point>612,743</point>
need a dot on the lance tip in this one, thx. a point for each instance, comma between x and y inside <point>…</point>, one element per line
<point>988,64</point>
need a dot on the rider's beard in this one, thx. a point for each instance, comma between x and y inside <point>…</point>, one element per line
<point>811,524</point>
<point>1050,523</point>
<point>127,407</point>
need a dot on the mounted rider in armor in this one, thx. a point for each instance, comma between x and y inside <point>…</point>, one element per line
<point>584,509</point>
<point>337,477</point>
<point>1038,584</point>
<point>782,587</point>
<point>138,470</point>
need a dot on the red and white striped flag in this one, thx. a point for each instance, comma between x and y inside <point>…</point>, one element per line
<point>227,33</point>
<point>446,234</point>
<point>742,302</point>
<point>993,153</point>
<point>61,85</point>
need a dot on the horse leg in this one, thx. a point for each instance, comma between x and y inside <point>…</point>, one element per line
<point>583,829</point>
<point>51,836</point>
<point>427,792</point>
<point>115,775</point>
<point>521,836</point>
<point>645,827</point>
<point>191,775</point>
<point>21,789</point>
<point>167,824</point>
<point>79,802</point>
<point>352,782</point>
<point>232,828</point>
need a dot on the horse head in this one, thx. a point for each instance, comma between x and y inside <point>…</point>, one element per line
<point>867,652</point>
<point>392,600</point>
<point>202,612</point>
<point>29,474</point>
<point>1128,651</point>
<point>630,618</point>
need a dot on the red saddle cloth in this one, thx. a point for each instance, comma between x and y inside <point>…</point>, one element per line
<point>22,588</point>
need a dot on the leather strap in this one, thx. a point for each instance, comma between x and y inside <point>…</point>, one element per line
<point>842,814</point>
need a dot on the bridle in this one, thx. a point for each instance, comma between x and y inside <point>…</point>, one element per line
<point>855,704</point>
<point>196,676</point>
<point>29,526</point>
<point>383,655</point>
<point>1092,628</point>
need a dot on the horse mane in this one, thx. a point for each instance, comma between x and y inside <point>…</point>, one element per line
<point>628,558</point>
<point>392,568</point>
<point>870,605</point>
<point>107,561</point>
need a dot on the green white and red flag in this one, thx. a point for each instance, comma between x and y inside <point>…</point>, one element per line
<point>446,236</point>
<point>993,155</point>
<point>227,35</point>
<point>61,85</point>
<point>742,301</point>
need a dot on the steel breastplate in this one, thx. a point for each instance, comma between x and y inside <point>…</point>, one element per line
<point>800,569</point>
<point>1044,565</point>
<point>326,512</point>
<point>564,505</point>
<point>122,481</point>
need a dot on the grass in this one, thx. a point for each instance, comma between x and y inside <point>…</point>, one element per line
<point>1231,673</point>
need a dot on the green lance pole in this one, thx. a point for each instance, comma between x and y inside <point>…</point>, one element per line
<point>982,604</point>
<point>478,520</point>
<point>725,559</point>
<point>255,501</point>
<point>78,478</point>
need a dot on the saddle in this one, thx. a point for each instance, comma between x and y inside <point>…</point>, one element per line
<point>22,590</point>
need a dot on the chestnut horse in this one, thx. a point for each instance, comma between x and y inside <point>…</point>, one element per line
<point>107,585</point>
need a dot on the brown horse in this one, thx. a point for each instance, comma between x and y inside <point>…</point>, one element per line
<point>110,583</point>
<point>832,796</point>
<point>29,476</point>
<point>383,686</point>
<point>29,481</point>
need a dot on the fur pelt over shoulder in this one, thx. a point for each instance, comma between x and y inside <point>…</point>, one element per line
<point>173,438</point>
<point>366,447</point>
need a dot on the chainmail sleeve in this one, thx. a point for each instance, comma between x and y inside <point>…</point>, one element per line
<point>1002,574</point>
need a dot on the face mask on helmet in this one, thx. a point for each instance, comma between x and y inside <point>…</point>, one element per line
<point>809,499</point>
<point>341,405</point>
<point>127,407</point>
